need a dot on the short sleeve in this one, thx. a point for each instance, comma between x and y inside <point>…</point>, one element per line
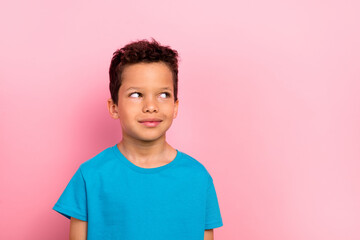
<point>213,216</point>
<point>72,202</point>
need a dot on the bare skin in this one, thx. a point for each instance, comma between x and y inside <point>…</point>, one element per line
<point>142,96</point>
<point>209,234</point>
<point>78,229</point>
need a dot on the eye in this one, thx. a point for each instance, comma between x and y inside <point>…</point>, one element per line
<point>135,93</point>
<point>166,94</point>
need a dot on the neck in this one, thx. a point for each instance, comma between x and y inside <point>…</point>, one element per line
<point>144,151</point>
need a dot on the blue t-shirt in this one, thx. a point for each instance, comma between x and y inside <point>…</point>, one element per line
<point>120,200</point>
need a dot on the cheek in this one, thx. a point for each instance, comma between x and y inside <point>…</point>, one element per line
<point>168,110</point>
<point>127,112</point>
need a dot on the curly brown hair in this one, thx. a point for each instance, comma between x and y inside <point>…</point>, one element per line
<point>142,51</point>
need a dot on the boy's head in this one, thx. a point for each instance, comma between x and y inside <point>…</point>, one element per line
<point>141,52</point>
<point>143,86</point>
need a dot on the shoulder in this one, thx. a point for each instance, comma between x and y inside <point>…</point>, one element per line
<point>195,166</point>
<point>103,159</point>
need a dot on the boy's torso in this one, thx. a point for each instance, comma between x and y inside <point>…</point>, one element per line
<point>123,195</point>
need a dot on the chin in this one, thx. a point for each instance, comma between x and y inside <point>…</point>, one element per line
<point>150,138</point>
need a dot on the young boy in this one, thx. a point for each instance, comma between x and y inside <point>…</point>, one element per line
<point>142,188</point>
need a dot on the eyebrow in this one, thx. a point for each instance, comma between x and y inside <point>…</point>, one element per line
<point>135,88</point>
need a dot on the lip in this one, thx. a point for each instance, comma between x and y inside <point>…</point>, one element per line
<point>150,123</point>
<point>150,120</point>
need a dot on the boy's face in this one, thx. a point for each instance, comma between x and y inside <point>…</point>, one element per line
<point>146,93</point>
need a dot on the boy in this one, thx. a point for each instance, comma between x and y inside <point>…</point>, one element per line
<point>142,188</point>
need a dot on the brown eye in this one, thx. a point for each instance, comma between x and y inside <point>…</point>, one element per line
<point>166,94</point>
<point>135,93</point>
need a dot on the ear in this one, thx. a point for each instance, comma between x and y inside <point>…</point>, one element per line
<point>113,109</point>
<point>176,107</point>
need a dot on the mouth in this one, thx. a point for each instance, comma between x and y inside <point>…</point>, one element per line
<point>150,123</point>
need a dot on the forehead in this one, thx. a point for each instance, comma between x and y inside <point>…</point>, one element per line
<point>147,75</point>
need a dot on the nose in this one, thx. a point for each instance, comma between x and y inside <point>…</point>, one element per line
<point>150,105</point>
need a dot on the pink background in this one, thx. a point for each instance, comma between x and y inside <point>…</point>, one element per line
<point>269,103</point>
